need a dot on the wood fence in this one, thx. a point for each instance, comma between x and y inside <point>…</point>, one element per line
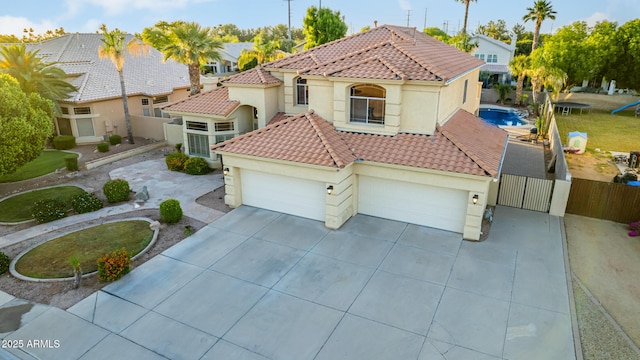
<point>604,200</point>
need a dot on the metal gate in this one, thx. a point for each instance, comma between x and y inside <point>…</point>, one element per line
<point>525,192</point>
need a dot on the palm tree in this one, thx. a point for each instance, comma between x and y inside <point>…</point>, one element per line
<point>114,46</point>
<point>34,75</point>
<point>540,11</point>
<point>466,14</point>
<point>519,66</point>
<point>263,52</point>
<point>187,43</point>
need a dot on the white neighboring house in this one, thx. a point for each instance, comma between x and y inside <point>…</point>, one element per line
<point>229,62</point>
<point>497,55</point>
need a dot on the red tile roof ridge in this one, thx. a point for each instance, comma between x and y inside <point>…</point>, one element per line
<point>463,148</point>
<point>314,121</point>
<point>198,95</point>
<point>253,133</point>
<point>346,56</point>
<point>418,60</point>
<point>261,75</point>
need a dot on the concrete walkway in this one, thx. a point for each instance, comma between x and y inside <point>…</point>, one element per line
<point>256,284</point>
<point>161,183</point>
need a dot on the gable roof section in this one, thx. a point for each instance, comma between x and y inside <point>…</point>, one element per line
<point>255,76</point>
<point>97,79</point>
<point>465,145</point>
<point>493,41</point>
<point>213,102</point>
<point>401,50</point>
<point>483,143</point>
<point>305,138</point>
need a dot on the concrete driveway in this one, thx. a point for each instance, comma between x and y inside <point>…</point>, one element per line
<point>256,284</point>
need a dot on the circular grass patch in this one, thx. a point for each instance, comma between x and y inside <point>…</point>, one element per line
<point>50,260</point>
<point>17,208</point>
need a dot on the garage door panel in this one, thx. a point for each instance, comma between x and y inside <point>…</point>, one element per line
<point>432,206</point>
<point>300,197</point>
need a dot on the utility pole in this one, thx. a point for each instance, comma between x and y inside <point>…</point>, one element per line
<point>425,18</point>
<point>289,9</point>
<point>320,5</point>
<point>408,17</point>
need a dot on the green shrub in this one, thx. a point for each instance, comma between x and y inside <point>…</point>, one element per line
<point>196,166</point>
<point>4,263</point>
<point>178,147</point>
<point>116,190</point>
<point>112,267</point>
<point>170,211</point>
<point>115,139</point>
<point>48,210</point>
<point>175,161</point>
<point>103,147</point>
<point>85,202</point>
<point>71,162</point>
<point>64,142</point>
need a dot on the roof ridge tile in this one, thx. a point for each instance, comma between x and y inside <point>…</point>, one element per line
<point>325,141</point>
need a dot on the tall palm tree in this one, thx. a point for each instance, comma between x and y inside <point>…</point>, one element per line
<point>540,11</point>
<point>519,66</point>
<point>34,75</point>
<point>187,43</point>
<point>114,46</point>
<point>466,14</point>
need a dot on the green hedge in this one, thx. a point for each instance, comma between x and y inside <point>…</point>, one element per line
<point>4,263</point>
<point>175,161</point>
<point>48,210</point>
<point>71,162</point>
<point>170,211</point>
<point>103,147</point>
<point>64,142</point>
<point>115,139</point>
<point>85,202</point>
<point>196,166</point>
<point>116,190</point>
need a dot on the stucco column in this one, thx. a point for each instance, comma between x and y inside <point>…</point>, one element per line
<point>232,186</point>
<point>475,211</point>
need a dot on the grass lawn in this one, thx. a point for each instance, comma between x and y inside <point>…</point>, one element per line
<point>604,131</point>
<point>51,259</point>
<point>47,162</point>
<point>18,208</point>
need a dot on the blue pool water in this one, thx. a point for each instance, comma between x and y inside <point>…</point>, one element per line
<point>501,117</point>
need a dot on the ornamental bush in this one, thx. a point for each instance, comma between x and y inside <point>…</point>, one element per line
<point>103,147</point>
<point>175,161</point>
<point>4,263</point>
<point>48,210</point>
<point>85,202</point>
<point>116,190</point>
<point>71,162</point>
<point>196,166</point>
<point>64,142</point>
<point>112,267</point>
<point>170,211</point>
<point>115,139</point>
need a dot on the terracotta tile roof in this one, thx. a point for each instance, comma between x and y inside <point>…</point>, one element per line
<point>305,138</point>
<point>465,145</point>
<point>385,52</point>
<point>255,76</point>
<point>213,102</point>
<point>279,116</point>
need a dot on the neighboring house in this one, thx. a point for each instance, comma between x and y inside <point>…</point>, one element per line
<point>497,56</point>
<point>380,123</point>
<point>96,110</point>
<point>228,65</point>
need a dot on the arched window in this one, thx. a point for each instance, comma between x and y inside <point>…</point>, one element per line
<point>302,92</point>
<point>367,104</point>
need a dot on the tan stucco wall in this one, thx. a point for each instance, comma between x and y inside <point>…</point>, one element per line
<point>451,96</point>
<point>266,100</point>
<point>560,197</point>
<point>343,202</point>
<point>420,114</point>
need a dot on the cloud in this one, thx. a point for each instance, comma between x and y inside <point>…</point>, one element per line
<point>117,7</point>
<point>404,5</point>
<point>596,17</point>
<point>14,25</point>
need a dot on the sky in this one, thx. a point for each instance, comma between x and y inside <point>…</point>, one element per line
<point>134,15</point>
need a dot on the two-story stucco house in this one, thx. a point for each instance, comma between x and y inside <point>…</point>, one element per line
<point>497,56</point>
<point>96,110</point>
<point>380,123</point>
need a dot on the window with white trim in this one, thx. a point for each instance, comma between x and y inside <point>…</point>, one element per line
<point>85,127</point>
<point>196,125</point>
<point>160,99</point>
<point>367,104</point>
<point>85,110</point>
<point>302,92</point>
<point>64,110</point>
<point>198,145</point>
<point>224,126</point>
<point>479,56</point>
<point>492,58</point>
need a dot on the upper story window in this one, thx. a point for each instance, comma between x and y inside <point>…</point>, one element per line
<point>479,56</point>
<point>302,92</point>
<point>492,58</point>
<point>145,102</point>
<point>224,126</point>
<point>82,110</point>
<point>64,110</point>
<point>196,125</point>
<point>367,104</point>
<point>160,99</point>
<point>464,93</point>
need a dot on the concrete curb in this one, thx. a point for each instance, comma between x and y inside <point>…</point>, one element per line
<point>123,155</point>
<point>577,345</point>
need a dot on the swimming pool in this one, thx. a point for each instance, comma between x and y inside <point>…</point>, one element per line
<point>502,116</point>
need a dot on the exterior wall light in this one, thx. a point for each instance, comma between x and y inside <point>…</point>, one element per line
<point>475,199</point>
<point>329,189</point>
<point>225,171</point>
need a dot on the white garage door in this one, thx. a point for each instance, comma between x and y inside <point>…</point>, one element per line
<point>431,206</point>
<point>305,198</point>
